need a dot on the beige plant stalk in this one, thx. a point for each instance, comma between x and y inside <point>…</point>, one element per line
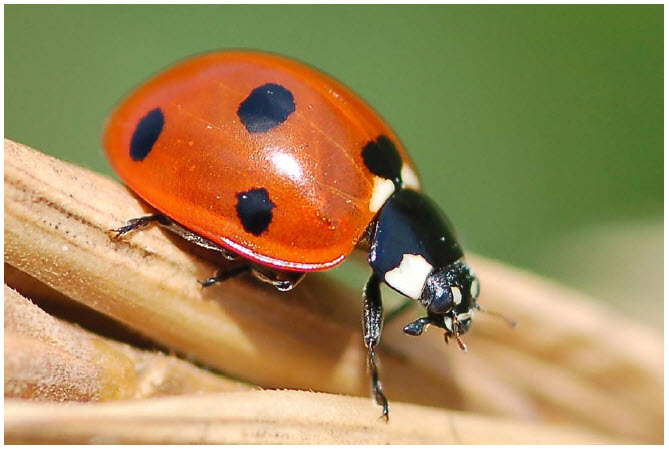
<point>114,341</point>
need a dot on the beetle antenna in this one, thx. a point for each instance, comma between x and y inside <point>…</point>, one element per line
<point>512,323</point>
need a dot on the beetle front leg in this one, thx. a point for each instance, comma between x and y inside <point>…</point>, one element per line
<point>372,323</point>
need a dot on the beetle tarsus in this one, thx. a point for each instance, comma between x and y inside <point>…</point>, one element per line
<point>377,389</point>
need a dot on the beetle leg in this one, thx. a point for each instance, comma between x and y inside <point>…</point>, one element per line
<point>165,222</point>
<point>417,327</point>
<point>140,222</point>
<point>224,275</point>
<point>197,239</point>
<point>372,323</point>
<point>280,279</point>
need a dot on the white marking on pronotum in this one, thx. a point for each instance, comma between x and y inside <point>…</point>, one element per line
<point>474,289</point>
<point>382,190</point>
<point>409,177</point>
<point>457,295</point>
<point>409,277</point>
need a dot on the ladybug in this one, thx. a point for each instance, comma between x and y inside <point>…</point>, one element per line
<point>281,167</point>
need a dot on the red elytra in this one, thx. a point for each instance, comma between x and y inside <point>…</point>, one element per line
<point>199,139</point>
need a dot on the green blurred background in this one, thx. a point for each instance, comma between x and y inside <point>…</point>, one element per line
<point>539,129</point>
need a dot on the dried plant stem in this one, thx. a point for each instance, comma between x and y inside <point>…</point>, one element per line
<point>47,359</point>
<point>276,417</point>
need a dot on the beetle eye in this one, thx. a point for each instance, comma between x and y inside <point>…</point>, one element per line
<point>443,302</point>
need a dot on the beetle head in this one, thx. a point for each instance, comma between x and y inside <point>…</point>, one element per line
<point>449,294</point>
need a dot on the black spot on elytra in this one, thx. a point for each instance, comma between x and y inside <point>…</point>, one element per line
<point>382,159</point>
<point>267,106</point>
<point>254,209</point>
<point>146,134</point>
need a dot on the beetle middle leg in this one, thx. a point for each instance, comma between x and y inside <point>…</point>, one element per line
<point>372,323</point>
<point>223,275</point>
<point>281,279</point>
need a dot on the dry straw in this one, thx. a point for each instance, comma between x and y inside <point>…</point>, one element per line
<point>113,341</point>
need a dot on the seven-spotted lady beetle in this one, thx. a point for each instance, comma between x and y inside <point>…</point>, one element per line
<point>283,168</point>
